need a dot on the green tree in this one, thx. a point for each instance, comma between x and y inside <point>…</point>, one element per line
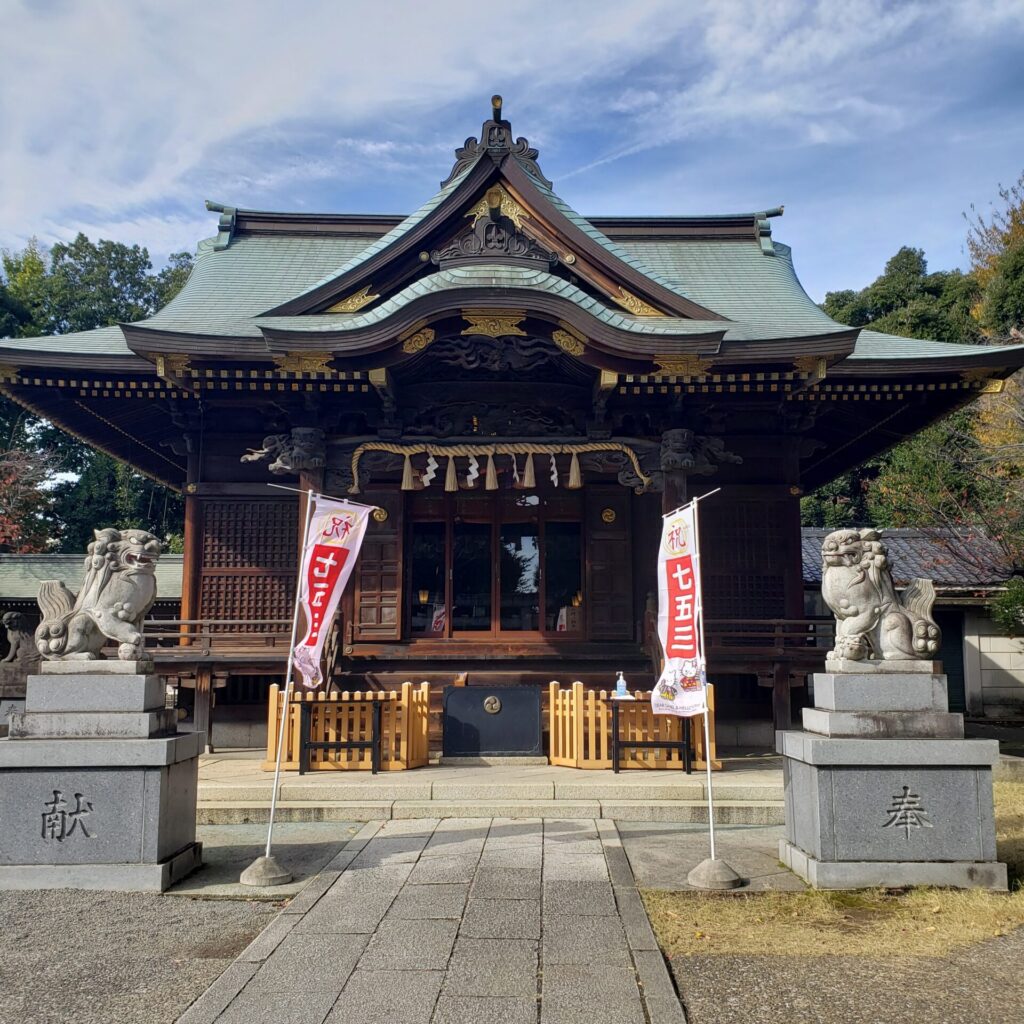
<point>78,286</point>
<point>908,301</point>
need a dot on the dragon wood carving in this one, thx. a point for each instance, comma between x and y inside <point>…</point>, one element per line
<point>118,590</point>
<point>872,621</point>
<point>303,448</point>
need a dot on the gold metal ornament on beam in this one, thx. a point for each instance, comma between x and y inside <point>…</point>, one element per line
<point>354,302</point>
<point>496,198</point>
<point>813,367</point>
<point>636,306</point>
<point>304,362</point>
<point>418,340</point>
<point>568,343</point>
<point>8,374</point>
<point>170,366</point>
<point>494,323</point>
<point>686,365</point>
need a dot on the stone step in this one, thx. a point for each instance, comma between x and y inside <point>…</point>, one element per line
<point>727,812</point>
<point>386,788</point>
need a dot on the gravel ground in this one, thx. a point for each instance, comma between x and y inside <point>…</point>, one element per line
<point>982,984</point>
<point>115,958</point>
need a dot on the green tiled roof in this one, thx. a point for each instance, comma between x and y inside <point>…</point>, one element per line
<point>629,257</point>
<point>229,289</point>
<point>20,575</point>
<point>367,252</point>
<point>104,341</point>
<point>875,345</point>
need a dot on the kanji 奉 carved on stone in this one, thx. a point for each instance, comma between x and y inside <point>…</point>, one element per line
<point>872,621</point>
<point>117,593</point>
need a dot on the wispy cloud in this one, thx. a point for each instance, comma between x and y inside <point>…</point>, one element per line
<point>119,118</point>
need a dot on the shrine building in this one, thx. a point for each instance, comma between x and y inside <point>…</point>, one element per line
<point>523,392</point>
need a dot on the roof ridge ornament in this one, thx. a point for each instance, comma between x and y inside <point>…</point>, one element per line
<point>496,141</point>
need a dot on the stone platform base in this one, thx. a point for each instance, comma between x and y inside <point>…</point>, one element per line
<point>110,877</point>
<point>866,874</point>
<point>491,761</point>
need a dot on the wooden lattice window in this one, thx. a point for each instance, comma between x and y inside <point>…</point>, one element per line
<point>250,553</point>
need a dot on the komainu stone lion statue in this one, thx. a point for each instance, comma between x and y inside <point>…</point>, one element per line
<point>872,621</point>
<point>118,590</point>
<point>19,640</point>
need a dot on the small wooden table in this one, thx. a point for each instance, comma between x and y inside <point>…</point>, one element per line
<point>306,744</point>
<point>683,745</point>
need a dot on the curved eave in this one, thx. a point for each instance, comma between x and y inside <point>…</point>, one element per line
<point>1001,362</point>
<point>26,358</point>
<point>118,445</point>
<point>142,339</point>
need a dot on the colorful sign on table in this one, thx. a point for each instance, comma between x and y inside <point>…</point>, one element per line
<point>681,689</point>
<point>329,552</point>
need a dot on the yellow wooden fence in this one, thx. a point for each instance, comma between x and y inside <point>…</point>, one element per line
<point>405,718</point>
<point>580,730</point>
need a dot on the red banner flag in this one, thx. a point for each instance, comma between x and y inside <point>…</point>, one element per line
<point>681,688</point>
<point>329,553</point>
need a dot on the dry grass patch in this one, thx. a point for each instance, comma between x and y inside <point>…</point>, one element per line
<point>918,922</point>
<point>921,922</point>
<point>1009,798</point>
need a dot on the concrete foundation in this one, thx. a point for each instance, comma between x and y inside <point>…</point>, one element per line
<point>96,791</point>
<point>882,789</point>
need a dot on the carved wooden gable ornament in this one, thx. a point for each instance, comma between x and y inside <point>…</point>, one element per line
<point>496,209</point>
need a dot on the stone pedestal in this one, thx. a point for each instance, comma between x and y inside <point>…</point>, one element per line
<point>97,790</point>
<point>881,787</point>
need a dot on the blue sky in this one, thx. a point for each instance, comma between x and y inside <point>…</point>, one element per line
<point>875,123</point>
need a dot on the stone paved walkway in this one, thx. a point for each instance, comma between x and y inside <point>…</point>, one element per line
<point>473,921</point>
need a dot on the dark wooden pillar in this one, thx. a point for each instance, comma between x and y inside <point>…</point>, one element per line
<point>309,480</point>
<point>674,493</point>
<point>782,705</point>
<point>193,557</point>
<point>201,712</point>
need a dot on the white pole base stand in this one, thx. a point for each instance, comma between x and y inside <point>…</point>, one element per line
<point>713,873</point>
<point>265,871</point>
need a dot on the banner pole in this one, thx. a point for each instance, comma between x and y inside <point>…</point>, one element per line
<point>711,873</point>
<point>703,649</point>
<point>265,870</point>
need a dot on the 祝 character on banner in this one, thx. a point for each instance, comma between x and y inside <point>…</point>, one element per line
<point>329,553</point>
<point>681,688</point>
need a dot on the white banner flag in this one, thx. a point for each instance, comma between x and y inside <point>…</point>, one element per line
<point>329,553</point>
<point>681,690</point>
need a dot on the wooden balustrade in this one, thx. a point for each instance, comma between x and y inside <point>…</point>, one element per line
<point>404,727</point>
<point>189,639</point>
<point>580,730</point>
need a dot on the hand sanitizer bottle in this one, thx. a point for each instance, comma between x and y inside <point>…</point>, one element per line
<point>620,686</point>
